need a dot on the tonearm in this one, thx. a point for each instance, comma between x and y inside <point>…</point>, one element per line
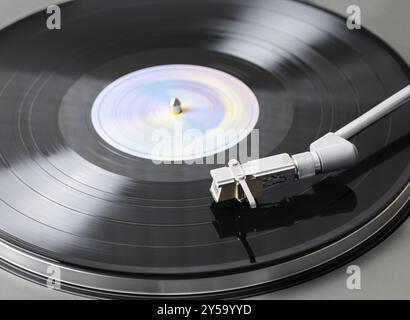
<point>329,153</point>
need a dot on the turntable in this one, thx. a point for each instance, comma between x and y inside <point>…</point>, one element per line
<point>97,185</point>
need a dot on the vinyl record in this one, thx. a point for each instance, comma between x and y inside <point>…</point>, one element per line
<point>80,192</point>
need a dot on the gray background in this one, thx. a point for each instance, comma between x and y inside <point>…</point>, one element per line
<point>385,270</point>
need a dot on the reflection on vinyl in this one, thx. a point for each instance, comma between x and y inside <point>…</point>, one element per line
<point>78,185</point>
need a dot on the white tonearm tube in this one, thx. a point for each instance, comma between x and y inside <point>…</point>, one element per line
<point>331,152</point>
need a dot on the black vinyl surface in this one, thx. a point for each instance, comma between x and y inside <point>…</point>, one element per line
<point>67,195</point>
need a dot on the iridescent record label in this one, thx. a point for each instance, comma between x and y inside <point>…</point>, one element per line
<point>133,113</point>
